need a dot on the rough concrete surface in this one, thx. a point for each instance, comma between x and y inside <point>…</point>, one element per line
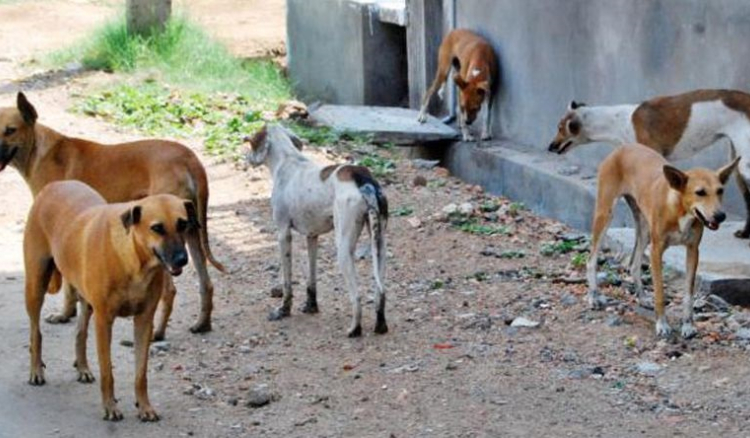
<point>395,125</point>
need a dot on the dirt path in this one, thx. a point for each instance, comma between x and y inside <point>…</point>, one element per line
<point>451,366</point>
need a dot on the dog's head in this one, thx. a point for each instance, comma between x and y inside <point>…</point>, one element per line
<point>570,130</point>
<point>159,225</point>
<point>472,94</point>
<point>16,130</point>
<point>256,153</point>
<point>701,191</point>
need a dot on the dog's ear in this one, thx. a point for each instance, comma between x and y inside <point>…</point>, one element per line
<point>726,171</point>
<point>258,140</point>
<point>28,112</point>
<point>459,81</point>
<point>131,217</point>
<point>677,179</point>
<point>575,105</point>
<point>574,126</point>
<point>295,140</point>
<point>192,214</point>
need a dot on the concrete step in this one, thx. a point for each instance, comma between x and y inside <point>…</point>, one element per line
<point>549,188</point>
<point>384,124</point>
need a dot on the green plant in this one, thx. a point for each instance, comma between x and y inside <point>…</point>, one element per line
<point>512,254</point>
<point>559,247</point>
<point>379,166</point>
<point>579,259</point>
<point>403,210</point>
<point>516,207</point>
<point>472,225</point>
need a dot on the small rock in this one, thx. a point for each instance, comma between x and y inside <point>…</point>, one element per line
<point>466,208</point>
<point>260,396</point>
<point>420,163</point>
<point>310,420</point>
<point>276,292</point>
<point>205,393</point>
<point>477,189</point>
<point>232,401</point>
<point>414,222</point>
<point>568,300</point>
<point>442,172</point>
<point>161,346</point>
<point>245,349</point>
<point>450,209</point>
<point>650,369</point>
<point>524,322</point>
<point>569,170</point>
<point>613,321</point>
<point>419,181</point>
<point>743,334</point>
<point>126,343</point>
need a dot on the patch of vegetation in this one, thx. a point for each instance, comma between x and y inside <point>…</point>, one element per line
<point>221,120</point>
<point>512,254</point>
<point>379,166</point>
<point>516,207</point>
<point>489,206</point>
<point>437,284</point>
<point>403,210</point>
<point>436,183</point>
<point>579,260</point>
<point>473,225</point>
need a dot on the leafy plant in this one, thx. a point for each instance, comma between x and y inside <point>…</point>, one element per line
<point>403,210</point>
<point>379,166</point>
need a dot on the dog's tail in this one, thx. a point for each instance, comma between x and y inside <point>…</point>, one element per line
<point>201,203</point>
<point>377,220</point>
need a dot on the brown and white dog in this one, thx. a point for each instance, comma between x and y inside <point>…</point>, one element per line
<point>122,172</point>
<point>117,257</point>
<point>676,127</point>
<point>314,200</point>
<point>672,207</point>
<point>476,68</point>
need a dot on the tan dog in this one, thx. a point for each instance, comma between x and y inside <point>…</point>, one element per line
<point>115,256</point>
<point>672,207</point>
<point>121,173</point>
<point>476,65</point>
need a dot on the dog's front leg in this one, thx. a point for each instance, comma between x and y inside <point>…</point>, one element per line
<point>103,323</point>
<point>166,305</point>
<point>285,247</point>
<point>662,325</point>
<point>688,329</point>
<point>487,110</point>
<point>311,305</point>
<point>142,327</point>
<point>465,132</point>
<point>82,363</point>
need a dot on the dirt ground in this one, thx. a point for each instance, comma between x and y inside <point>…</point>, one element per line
<point>451,366</point>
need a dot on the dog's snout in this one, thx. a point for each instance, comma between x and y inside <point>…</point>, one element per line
<point>720,217</point>
<point>180,258</point>
<point>553,147</point>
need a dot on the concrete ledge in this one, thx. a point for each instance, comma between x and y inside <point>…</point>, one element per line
<point>393,12</point>
<point>532,178</point>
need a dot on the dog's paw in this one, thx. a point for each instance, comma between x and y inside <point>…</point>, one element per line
<point>59,318</point>
<point>86,376</point>
<point>158,335</point>
<point>742,234</point>
<point>381,328</point>
<point>36,377</point>
<point>355,332</point>
<point>422,118</point>
<point>279,313</point>
<point>201,326</point>
<point>688,330</point>
<point>486,136</point>
<point>663,330</point>
<point>147,414</point>
<point>309,307</point>
<point>112,413</point>
<point>596,300</point>
<point>469,137</point>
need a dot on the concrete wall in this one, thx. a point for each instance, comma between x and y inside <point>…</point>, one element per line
<point>339,52</point>
<point>606,52</point>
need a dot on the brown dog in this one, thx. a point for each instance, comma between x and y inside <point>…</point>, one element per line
<point>476,65</point>
<point>671,208</point>
<point>115,256</point>
<point>121,173</point>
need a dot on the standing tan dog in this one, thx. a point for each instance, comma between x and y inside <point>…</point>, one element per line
<point>476,65</point>
<point>121,173</point>
<point>673,207</point>
<point>115,256</point>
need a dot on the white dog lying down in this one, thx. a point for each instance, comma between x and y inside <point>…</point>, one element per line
<point>313,200</point>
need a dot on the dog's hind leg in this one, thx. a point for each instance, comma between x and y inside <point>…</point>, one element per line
<point>348,229</point>
<point>82,364</point>
<point>606,196</point>
<point>744,233</point>
<point>311,305</point>
<point>285,247</point>
<point>166,305</point>
<point>636,266</point>
<point>70,298</point>
<point>38,272</point>
<point>377,225</point>
<point>206,287</point>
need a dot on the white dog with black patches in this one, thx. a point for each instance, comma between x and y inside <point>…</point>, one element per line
<point>313,200</point>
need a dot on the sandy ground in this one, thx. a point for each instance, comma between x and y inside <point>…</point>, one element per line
<point>450,367</point>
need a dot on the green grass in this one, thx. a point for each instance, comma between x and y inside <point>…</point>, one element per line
<point>205,92</point>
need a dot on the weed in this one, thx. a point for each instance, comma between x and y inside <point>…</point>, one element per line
<point>436,183</point>
<point>489,206</point>
<point>560,247</point>
<point>516,207</point>
<point>512,254</point>
<point>579,260</point>
<point>403,211</point>
<point>379,166</point>
<point>437,284</point>
<point>472,225</point>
